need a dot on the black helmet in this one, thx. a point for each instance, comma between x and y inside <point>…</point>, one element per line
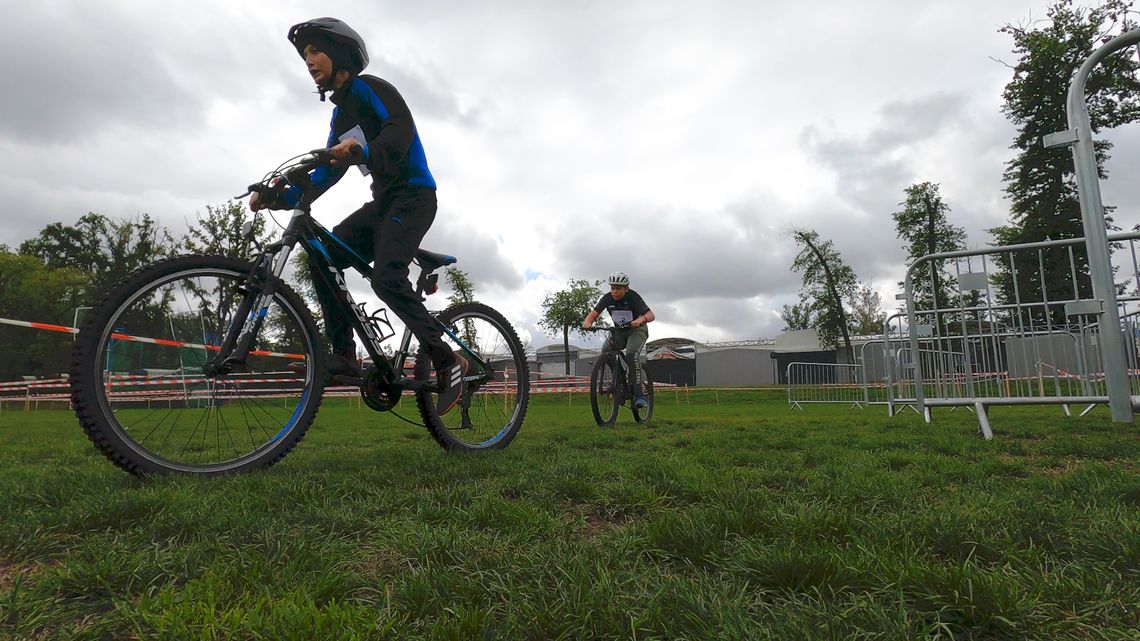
<point>324,30</point>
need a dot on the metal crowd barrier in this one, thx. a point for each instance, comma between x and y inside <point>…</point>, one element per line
<point>826,383</point>
<point>1075,343</point>
<point>1034,349</point>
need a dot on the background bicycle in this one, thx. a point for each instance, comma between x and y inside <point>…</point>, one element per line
<point>611,386</point>
<point>184,366</point>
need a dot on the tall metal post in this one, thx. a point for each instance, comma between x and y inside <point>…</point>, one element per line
<point>1079,136</point>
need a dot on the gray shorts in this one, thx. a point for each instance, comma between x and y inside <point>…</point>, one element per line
<point>631,341</point>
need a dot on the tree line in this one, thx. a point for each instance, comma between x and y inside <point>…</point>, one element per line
<point>1039,183</point>
<point>61,272</point>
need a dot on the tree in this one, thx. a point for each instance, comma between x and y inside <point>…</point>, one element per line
<point>463,290</point>
<point>924,228</point>
<point>29,290</point>
<point>79,246</point>
<point>132,245</point>
<point>1040,182</point>
<point>106,249</point>
<point>797,316</point>
<point>565,310</point>
<point>302,281</point>
<point>219,232</point>
<point>827,283</point>
<point>867,315</point>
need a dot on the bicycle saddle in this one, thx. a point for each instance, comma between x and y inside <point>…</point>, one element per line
<point>431,261</point>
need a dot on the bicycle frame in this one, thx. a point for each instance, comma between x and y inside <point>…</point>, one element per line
<point>317,241</point>
<point>623,362</point>
<point>628,383</point>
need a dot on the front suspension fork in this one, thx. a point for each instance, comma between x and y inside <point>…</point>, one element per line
<point>257,292</point>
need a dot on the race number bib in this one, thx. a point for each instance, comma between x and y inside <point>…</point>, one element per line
<point>622,316</point>
<point>357,134</point>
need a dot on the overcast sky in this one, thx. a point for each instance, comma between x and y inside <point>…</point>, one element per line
<point>677,141</point>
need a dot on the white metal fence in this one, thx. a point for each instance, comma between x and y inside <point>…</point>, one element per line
<point>810,383</point>
<point>1033,345</point>
<point>1033,323</point>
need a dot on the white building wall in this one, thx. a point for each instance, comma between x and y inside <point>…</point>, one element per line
<point>736,367</point>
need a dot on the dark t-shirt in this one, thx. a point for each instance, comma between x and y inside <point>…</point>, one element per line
<point>622,312</point>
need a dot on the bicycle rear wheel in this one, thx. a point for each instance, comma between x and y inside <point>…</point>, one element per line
<point>492,408</point>
<point>605,394</point>
<point>642,415</point>
<point>144,383</point>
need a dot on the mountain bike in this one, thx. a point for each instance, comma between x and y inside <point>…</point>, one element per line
<point>611,387</point>
<point>184,366</point>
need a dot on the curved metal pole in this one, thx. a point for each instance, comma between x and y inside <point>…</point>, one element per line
<point>1096,234</point>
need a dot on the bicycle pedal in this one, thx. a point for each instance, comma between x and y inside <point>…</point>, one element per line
<point>416,385</point>
<point>341,379</point>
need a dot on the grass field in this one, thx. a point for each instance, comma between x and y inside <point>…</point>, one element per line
<point>730,517</point>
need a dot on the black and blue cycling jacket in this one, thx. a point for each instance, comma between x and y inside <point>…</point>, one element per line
<point>393,152</point>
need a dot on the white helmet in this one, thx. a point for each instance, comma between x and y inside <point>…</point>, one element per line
<point>619,278</point>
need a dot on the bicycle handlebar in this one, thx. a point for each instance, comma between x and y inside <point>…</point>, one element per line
<point>295,171</point>
<point>607,328</point>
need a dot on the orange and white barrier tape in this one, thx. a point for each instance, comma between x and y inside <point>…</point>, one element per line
<point>139,339</point>
<point>49,327</point>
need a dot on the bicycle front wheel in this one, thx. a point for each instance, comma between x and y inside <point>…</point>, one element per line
<point>144,380</point>
<point>491,410</point>
<point>605,398</point>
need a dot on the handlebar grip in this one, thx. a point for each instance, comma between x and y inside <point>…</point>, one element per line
<point>255,188</point>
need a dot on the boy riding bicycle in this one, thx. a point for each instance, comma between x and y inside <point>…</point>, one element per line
<point>630,314</point>
<point>372,127</point>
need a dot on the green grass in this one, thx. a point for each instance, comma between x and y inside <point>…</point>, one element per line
<point>730,517</point>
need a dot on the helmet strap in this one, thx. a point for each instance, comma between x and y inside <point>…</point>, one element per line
<point>333,89</point>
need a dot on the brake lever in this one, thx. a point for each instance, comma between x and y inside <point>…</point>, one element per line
<point>297,176</point>
<point>321,156</point>
<point>256,187</point>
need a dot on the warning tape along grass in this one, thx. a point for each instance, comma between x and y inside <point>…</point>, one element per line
<point>139,339</point>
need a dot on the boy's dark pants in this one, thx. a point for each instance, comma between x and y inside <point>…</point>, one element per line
<point>387,231</point>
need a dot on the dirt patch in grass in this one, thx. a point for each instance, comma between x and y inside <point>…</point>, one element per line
<point>11,571</point>
<point>1066,466</point>
<point>8,573</point>
<point>598,522</point>
<point>382,562</point>
<point>1045,465</point>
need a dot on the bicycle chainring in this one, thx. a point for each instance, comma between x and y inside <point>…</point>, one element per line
<point>378,394</point>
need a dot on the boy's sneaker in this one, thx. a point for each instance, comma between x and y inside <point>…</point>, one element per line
<point>340,367</point>
<point>451,385</point>
<point>343,369</point>
<point>640,403</point>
